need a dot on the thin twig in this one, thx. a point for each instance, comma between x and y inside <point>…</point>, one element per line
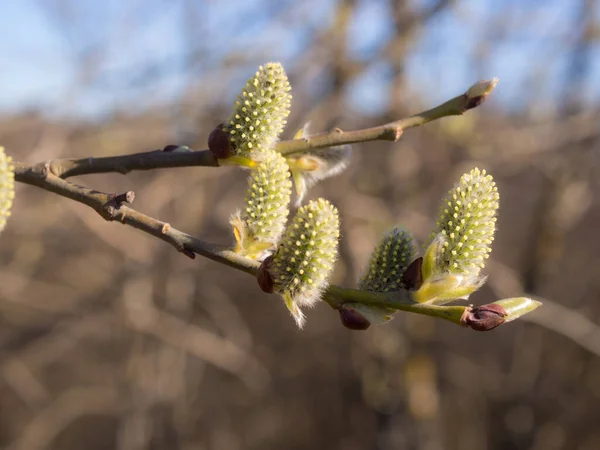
<point>173,156</point>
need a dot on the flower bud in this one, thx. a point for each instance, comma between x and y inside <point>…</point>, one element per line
<point>218,142</point>
<point>7,187</point>
<point>387,272</point>
<point>259,226</point>
<point>484,318</point>
<point>260,112</point>
<point>353,319</point>
<point>264,277</point>
<point>304,260</point>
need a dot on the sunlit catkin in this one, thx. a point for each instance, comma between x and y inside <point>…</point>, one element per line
<point>467,221</point>
<point>304,261</point>
<point>260,224</point>
<point>260,112</point>
<point>461,241</point>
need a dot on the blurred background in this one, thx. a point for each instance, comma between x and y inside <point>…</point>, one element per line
<point>109,339</point>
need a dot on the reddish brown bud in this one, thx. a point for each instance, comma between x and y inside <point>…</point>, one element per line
<point>219,144</point>
<point>474,102</point>
<point>264,277</point>
<point>170,148</point>
<point>413,276</point>
<point>484,318</point>
<point>477,93</point>
<point>352,319</point>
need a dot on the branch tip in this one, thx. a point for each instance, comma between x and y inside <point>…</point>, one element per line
<point>477,93</point>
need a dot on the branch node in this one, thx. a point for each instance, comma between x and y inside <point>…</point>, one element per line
<point>110,208</point>
<point>398,133</point>
<point>166,228</point>
<point>45,170</point>
<point>109,211</point>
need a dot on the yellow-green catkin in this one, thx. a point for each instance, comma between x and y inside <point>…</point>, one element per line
<point>389,260</point>
<point>259,226</point>
<point>461,241</point>
<point>7,187</point>
<point>467,222</point>
<point>260,112</point>
<point>301,268</point>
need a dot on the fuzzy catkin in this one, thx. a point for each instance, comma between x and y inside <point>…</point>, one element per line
<point>266,204</point>
<point>467,223</point>
<point>304,260</point>
<point>388,262</point>
<point>260,112</point>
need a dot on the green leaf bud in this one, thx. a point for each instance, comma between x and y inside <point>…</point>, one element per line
<point>260,224</point>
<point>7,187</point>
<point>260,112</point>
<point>517,307</point>
<point>304,260</point>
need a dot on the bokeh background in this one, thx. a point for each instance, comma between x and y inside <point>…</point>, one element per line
<point>109,339</point>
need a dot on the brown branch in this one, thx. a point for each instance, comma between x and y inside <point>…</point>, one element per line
<point>112,208</point>
<point>156,159</point>
<point>172,156</point>
<point>52,175</point>
<point>108,206</point>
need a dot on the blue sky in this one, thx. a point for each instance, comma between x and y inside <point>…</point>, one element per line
<point>41,50</point>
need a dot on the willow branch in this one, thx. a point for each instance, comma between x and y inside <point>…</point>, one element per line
<point>52,175</point>
<point>114,207</point>
<point>388,132</point>
<point>173,156</point>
